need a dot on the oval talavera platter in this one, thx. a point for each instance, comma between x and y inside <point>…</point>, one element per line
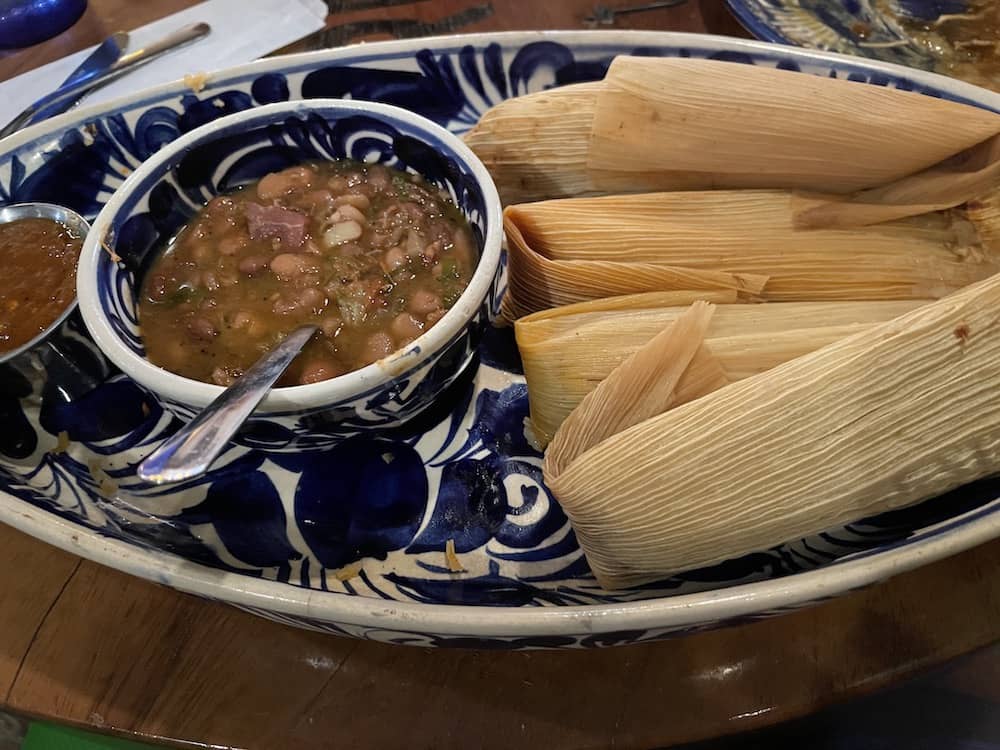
<point>351,539</point>
<point>954,37</point>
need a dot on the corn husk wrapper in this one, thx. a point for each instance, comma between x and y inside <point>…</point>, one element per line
<point>963,178</point>
<point>748,125</point>
<point>984,213</point>
<point>535,146</point>
<point>537,283</point>
<point>568,351</point>
<point>569,250</point>
<point>880,420</point>
<point>684,124</point>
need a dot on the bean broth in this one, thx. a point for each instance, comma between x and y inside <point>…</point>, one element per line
<point>373,255</point>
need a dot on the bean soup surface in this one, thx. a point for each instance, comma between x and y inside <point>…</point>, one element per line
<point>38,281</point>
<point>373,255</point>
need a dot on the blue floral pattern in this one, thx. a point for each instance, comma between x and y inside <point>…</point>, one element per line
<point>370,518</point>
<point>865,28</point>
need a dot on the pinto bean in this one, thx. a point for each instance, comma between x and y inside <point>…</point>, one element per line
<point>201,329</point>
<point>394,258</point>
<point>281,183</point>
<point>321,201</point>
<point>341,232</point>
<point>297,300</point>
<point>232,244</point>
<point>377,346</point>
<point>431,252</point>
<point>423,302</point>
<point>414,243</point>
<point>359,201</point>
<point>319,369</point>
<point>348,212</point>
<point>405,328</point>
<point>244,320</point>
<point>330,326</point>
<point>288,265</point>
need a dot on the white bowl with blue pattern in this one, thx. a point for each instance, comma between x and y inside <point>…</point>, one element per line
<point>169,188</point>
<point>350,540</point>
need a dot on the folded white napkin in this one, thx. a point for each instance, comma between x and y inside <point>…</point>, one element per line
<point>241,31</point>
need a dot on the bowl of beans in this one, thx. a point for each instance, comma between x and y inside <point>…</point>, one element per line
<point>374,224</point>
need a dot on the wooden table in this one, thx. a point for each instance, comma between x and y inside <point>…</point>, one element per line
<point>85,645</point>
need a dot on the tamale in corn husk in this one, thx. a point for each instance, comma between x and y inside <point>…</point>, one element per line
<point>568,351</point>
<point>755,126</point>
<point>536,282</point>
<point>535,146</point>
<point>574,249</point>
<point>687,124</point>
<point>882,419</point>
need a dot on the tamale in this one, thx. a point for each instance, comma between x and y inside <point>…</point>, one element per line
<point>567,351</point>
<point>733,125</point>
<point>880,420</point>
<point>688,124</point>
<point>536,282</point>
<point>535,146</point>
<point>749,235</point>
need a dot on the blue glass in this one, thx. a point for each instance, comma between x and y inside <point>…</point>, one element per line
<point>27,22</point>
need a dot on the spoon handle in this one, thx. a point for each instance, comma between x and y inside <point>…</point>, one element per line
<point>193,448</point>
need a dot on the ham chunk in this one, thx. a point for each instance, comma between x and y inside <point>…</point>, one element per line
<point>277,223</point>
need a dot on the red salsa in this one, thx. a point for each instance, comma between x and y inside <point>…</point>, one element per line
<point>39,277</point>
<point>373,255</point>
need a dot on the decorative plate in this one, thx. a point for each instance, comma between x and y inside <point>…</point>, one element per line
<point>351,540</point>
<point>954,37</point>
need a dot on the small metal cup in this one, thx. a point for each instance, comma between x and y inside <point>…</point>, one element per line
<point>61,362</point>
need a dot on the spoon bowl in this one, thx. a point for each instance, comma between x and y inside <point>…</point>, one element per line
<point>191,451</point>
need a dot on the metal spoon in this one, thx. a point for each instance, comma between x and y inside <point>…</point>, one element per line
<point>192,449</point>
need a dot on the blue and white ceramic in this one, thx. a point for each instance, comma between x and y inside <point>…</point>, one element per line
<point>878,29</point>
<point>351,539</point>
<point>170,186</point>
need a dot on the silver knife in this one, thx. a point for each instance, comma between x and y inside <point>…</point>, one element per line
<point>103,57</point>
<point>64,98</point>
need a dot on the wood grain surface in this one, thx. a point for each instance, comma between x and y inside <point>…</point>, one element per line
<point>86,645</point>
